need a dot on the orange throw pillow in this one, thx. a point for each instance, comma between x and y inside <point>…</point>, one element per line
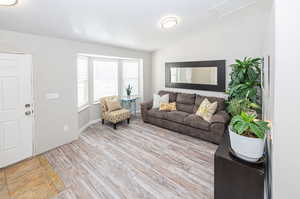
<point>167,106</point>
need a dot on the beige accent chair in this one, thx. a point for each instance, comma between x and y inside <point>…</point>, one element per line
<point>116,116</point>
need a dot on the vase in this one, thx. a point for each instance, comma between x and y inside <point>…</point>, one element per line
<point>247,148</point>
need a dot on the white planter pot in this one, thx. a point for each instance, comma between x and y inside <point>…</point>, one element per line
<point>250,149</point>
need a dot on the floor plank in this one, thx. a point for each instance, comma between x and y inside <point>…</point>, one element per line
<point>135,161</point>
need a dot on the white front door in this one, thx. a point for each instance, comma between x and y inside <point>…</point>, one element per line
<point>16,102</point>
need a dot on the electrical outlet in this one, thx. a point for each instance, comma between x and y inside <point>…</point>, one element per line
<point>66,128</point>
<point>52,96</point>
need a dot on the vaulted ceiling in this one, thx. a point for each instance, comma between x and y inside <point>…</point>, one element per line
<point>127,23</point>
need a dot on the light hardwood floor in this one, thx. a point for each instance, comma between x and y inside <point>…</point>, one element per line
<point>136,161</point>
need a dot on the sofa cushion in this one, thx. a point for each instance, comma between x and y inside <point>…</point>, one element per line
<point>196,122</point>
<point>117,116</point>
<point>157,113</point>
<point>199,99</point>
<point>176,116</point>
<point>113,105</point>
<point>172,95</point>
<point>184,98</point>
<point>188,108</point>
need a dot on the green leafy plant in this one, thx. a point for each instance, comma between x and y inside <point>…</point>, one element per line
<point>129,90</point>
<point>247,125</point>
<point>245,79</point>
<point>237,106</point>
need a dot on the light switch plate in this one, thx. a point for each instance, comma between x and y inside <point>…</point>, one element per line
<point>50,96</point>
<point>66,128</point>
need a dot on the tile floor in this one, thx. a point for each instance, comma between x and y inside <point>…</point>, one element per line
<point>30,179</point>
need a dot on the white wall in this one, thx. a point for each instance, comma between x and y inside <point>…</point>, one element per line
<point>286,148</point>
<point>231,37</point>
<point>54,64</point>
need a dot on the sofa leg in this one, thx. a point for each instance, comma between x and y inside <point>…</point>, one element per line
<point>128,120</point>
<point>115,126</point>
<point>102,121</point>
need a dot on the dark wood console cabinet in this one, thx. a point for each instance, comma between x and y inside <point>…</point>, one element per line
<point>235,179</point>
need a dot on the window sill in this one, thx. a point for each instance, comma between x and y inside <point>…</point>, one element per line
<point>95,103</point>
<point>83,108</point>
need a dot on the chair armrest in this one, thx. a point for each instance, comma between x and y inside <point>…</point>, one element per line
<point>145,106</point>
<point>220,117</point>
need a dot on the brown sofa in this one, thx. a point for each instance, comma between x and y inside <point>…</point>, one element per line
<point>184,120</point>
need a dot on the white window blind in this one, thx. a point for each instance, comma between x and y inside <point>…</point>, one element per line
<point>130,71</point>
<point>82,81</point>
<point>105,78</point>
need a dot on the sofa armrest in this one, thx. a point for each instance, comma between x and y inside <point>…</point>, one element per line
<point>218,124</point>
<point>220,117</point>
<point>145,106</point>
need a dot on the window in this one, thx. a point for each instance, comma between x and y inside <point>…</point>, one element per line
<point>101,76</point>
<point>82,82</point>
<point>130,71</point>
<point>105,78</point>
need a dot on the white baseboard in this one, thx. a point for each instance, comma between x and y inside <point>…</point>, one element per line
<point>88,124</point>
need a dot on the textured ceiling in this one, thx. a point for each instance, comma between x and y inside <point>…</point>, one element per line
<point>131,24</point>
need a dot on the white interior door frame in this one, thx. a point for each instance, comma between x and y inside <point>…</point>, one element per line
<point>17,119</point>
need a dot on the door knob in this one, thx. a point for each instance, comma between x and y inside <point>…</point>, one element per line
<point>27,113</point>
<point>27,105</point>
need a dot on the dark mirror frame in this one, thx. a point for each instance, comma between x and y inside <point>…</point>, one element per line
<point>220,64</point>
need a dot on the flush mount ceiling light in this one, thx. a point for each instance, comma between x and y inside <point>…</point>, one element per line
<point>8,2</point>
<point>169,22</point>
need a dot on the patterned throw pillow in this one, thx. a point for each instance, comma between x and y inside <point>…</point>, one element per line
<point>157,100</point>
<point>167,106</point>
<point>113,105</point>
<point>207,109</point>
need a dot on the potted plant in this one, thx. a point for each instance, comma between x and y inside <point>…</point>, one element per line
<point>245,79</point>
<point>237,106</point>
<point>247,136</point>
<point>129,90</point>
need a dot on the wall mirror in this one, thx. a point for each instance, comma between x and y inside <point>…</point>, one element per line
<point>200,75</point>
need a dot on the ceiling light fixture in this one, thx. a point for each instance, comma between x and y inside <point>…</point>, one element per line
<point>169,22</point>
<point>8,2</point>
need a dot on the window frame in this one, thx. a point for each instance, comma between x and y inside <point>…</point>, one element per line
<point>92,59</point>
<point>86,104</point>
<point>120,77</point>
<point>138,77</point>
